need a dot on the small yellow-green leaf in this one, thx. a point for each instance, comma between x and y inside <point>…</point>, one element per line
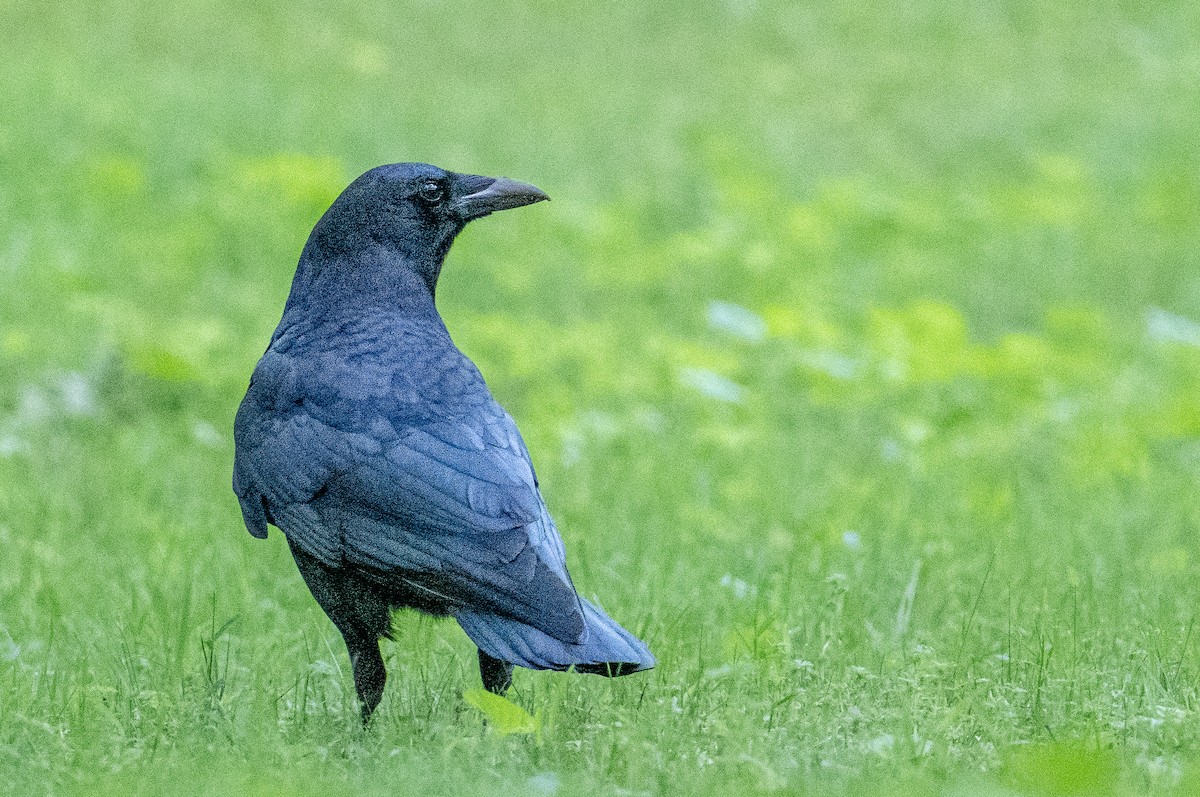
<point>1062,768</point>
<point>301,179</point>
<point>502,714</point>
<point>115,175</point>
<point>160,363</point>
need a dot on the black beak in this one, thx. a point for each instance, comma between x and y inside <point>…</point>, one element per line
<point>484,195</point>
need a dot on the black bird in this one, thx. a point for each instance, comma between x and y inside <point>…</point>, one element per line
<point>373,443</point>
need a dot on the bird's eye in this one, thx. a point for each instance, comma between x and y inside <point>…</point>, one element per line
<point>431,191</point>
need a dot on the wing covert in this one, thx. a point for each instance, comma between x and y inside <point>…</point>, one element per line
<point>450,505</point>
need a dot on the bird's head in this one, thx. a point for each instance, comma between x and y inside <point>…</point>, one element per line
<point>409,214</point>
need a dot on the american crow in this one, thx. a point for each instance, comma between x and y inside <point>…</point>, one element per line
<point>373,443</point>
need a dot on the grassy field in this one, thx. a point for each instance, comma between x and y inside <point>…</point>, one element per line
<point>859,354</point>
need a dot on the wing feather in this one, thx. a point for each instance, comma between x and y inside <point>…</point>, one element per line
<point>449,505</point>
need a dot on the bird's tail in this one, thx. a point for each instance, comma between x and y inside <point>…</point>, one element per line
<point>606,649</point>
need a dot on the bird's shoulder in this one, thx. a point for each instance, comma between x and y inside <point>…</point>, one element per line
<point>373,396</point>
<point>356,373</point>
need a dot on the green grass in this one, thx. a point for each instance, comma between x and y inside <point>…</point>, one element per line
<point>923,522</point>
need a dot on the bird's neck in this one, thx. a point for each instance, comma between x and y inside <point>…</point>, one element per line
<point>371,279</point>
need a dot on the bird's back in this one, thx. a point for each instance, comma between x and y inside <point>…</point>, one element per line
<point>373,442</point>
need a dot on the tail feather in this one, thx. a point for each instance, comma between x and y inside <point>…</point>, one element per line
<point>606,649</point>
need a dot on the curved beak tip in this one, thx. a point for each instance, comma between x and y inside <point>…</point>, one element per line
<point>499,194</point>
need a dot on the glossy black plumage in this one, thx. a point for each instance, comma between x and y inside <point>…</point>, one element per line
<point>374,444</point>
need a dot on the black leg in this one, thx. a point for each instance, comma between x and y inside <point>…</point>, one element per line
<point>362,616</point>
<point>369,673</point>
<point>497,674</point>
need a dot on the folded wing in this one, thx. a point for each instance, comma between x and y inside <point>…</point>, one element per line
<point>449,506</point>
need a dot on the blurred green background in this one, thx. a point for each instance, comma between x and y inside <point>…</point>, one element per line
<point>858,352</point>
